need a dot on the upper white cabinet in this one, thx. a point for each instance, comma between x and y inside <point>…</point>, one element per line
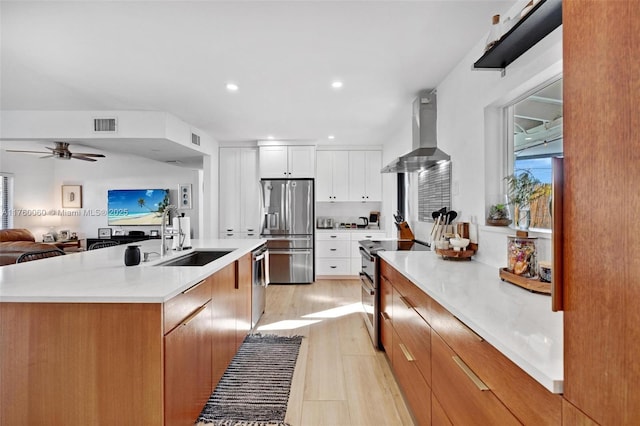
<point>365,179</point>
<point>239,193</point>
<point>332,175</point>
<point>280,161</point>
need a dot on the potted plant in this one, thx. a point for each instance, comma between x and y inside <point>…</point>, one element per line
<point>523,188</point>
<point>498,215</point>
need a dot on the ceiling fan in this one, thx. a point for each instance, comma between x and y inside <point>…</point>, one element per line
<point>62,151</point>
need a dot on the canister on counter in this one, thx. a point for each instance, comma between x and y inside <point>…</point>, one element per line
<point>522,256</point>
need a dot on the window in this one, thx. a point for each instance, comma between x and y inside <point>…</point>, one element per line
<point>536,123</point>
<point>6,200</point>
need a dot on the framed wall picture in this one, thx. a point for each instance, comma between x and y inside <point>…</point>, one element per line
<point>72,196</point>
<point>104,232</point>
<point>65,235</point>
<point>118,233</point>
<point>48,238</point>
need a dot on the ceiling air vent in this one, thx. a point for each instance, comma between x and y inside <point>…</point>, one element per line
<point>195,139</point>
<point>104,125</point>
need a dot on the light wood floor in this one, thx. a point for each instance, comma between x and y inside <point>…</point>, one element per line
<point>340,379</point>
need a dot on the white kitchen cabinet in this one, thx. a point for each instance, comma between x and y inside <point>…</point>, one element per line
<point>239,193</point>
<point>280,161</point>
<point>332,253</point>
<point>332,175</point>
<point>365,179</point>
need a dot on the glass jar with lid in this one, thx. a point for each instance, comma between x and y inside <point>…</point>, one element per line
<point>522,256</point>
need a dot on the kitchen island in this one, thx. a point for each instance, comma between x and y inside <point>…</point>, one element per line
<point>464,338</point>
<point>85,339</point>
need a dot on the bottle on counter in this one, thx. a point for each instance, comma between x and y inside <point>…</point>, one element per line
<point>495,33</point>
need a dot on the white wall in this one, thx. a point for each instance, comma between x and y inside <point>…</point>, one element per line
<point>37,185</point>
<point>470,129</point>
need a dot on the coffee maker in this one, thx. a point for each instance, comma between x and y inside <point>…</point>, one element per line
<point>374,220</point>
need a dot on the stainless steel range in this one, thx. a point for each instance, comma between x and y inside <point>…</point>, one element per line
<point>370,279</point>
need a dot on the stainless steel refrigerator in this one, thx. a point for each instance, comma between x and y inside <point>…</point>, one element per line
<point>287,225</point>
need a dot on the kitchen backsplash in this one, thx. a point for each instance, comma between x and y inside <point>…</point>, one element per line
<point>346,212</point>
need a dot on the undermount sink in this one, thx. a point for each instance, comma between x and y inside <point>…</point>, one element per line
<point>196,258</point>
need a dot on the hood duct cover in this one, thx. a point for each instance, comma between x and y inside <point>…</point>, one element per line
<point>425,139</point>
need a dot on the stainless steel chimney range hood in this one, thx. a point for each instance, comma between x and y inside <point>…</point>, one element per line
<point>425,139</point>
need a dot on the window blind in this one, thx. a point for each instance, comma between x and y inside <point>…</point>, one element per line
<point>434,190</point>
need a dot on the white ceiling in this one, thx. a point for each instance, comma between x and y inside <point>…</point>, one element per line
<point>178,56</point>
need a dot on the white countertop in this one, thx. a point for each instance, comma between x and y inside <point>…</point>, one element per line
<point>100,276</point>
<point>518,323</point>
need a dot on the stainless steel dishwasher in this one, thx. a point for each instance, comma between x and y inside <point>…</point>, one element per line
<point>260,281</point>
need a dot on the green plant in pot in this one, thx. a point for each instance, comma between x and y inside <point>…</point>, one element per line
<point>498,215</point>
<point>523,188</point>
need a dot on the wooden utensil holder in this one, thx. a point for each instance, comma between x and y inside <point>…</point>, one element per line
<point>404,232</point>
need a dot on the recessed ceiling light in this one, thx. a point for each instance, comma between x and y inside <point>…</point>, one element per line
<point>336,84</point>
<point>331,137</point>
<point>232,87</point>
<point>270,137</point>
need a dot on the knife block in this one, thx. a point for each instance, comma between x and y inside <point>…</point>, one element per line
<point>404,232</point>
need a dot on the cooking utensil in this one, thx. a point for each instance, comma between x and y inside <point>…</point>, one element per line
<point>451,215</point>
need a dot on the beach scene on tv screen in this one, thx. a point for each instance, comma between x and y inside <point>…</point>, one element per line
<point>137,206</point>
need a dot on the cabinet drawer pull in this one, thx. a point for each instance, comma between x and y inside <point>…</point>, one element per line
<point>333,249</point>
<point>385,316</point>
<point>192,287</point>
<point>406,302</point>
<point>188,319</point>
<point>470,374</point>
<point>406,353</point>
<point>478,337</point>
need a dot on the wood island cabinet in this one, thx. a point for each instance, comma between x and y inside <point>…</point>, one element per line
<point>187,359</point>
<point>243,298</point>
<point>122,363</point>
<point>406,339</point>
<point>444,368</point>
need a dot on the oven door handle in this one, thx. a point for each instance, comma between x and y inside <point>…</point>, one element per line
<point>364,253</point>
<point>366,286</point>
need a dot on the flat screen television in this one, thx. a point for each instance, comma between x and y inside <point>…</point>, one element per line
<point>136,206</point>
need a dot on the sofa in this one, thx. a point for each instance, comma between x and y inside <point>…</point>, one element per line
<point>14,242</point>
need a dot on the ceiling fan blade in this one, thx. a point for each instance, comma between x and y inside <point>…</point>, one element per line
<point>30,152</point>
<point>82,157</point>
<point>86,154</point>
<point>47,156</point>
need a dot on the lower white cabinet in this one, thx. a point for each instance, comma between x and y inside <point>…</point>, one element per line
<point>338,253</point>
<point>332,253</point>
<point>249,235</point>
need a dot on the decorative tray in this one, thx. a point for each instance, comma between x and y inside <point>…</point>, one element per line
<point>451,254</point>
<point>531,284</point>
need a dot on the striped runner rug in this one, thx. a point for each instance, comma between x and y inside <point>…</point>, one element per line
<point>254,390</point>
